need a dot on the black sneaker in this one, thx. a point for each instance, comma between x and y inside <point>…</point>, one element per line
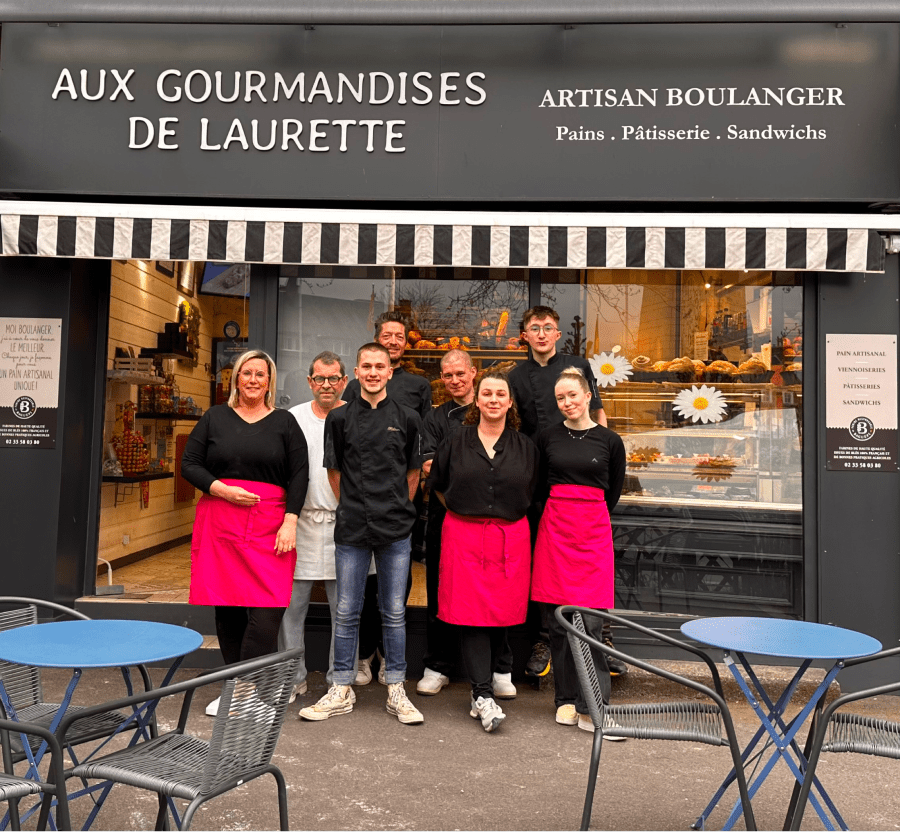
<point>539,663</point>
<point>616,666</point>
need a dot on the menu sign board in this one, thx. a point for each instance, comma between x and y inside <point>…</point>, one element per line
<point>29,381</point>
<point>861,402</point>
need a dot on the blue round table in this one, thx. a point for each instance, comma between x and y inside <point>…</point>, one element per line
<point>781,638</point>
<point>106,643</point>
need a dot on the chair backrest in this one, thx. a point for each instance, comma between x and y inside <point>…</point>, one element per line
<point>586,669</point>
<point>23,682</point>
<point>248,724</point>
<point>863,735</point>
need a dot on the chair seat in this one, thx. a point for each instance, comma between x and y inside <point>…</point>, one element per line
<point>863,735</point>
<point>687,721</point>
<point>14,787</point>
<point>42,713</point>
<point>172,765</point>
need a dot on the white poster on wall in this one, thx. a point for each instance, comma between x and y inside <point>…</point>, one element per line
<point>29,381</point>
<point>861,402</point>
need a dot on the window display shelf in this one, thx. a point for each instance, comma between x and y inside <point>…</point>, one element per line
<point>125,485</point>
<point>474,353</point>
<point>132,377</point>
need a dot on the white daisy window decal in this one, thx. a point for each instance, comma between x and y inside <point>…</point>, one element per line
<point>609,369</point>
<point>701,404</point>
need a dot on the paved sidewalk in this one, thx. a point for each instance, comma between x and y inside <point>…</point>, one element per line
<point>364,770</point>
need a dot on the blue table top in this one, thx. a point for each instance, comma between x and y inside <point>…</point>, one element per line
<point>106,643</point>
<point>781,637</point>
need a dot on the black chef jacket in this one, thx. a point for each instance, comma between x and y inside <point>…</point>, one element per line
<point>440,424</point>
<point>373,448</point>
<point>473,484</point>
<point>533,388</point>
<point>594,457</point>
<point>404,388</point>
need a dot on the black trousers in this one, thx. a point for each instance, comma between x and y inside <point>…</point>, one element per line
<point>536,624</point>
<point>441,638</point>
<point>565,676</point>
<point>481,648</point>
<point>247,632</point>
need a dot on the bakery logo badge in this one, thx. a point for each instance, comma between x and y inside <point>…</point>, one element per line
<point>862,429</point>
<point>24,407</point>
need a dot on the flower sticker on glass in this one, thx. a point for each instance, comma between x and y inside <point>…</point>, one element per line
<point>701,404</point>
<point>609,369</point>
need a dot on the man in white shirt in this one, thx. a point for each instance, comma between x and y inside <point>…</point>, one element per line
<point>315,525</point>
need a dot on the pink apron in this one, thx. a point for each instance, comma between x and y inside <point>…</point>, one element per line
<point>233,560</point>
<point>485,571</point>
<point>573,555</point>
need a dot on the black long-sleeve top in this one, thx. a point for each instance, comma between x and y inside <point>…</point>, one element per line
<point>595,457</point>
<point>273,450</point>
<point>473,484</point>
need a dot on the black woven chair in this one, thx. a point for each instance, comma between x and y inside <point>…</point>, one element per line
<point>688,721</point>
<point>253,703</point>
<point>849,733</point>
<point>24,688</point>
<point>13,788</point>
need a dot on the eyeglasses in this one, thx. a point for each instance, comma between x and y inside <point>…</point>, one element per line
<point>332,380</point>
<point>259,375</point>
<point>548,329</point>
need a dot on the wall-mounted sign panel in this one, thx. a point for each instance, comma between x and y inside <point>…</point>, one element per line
<point>861,402</point>
<point>29,381</point>
<point>706,112</point>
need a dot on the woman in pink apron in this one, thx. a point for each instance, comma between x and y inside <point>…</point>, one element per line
<point>485,476</point>
<point>583,465</point>
<point>251,464</point>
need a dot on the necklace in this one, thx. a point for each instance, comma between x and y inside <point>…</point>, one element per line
<point>575,436</point>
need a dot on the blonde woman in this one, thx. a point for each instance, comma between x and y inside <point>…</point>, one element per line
<point>250,461</point>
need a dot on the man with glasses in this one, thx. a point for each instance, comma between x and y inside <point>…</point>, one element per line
<point>458,375</point>
<point>533,383</point>
<point>315,524</point>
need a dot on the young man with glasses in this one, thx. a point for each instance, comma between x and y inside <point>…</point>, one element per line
<point>373,457</point>
<point>315,525</point>
<point>533,383</point>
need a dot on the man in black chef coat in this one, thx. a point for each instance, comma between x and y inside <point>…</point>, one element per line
<point>373,456</point>
<point>413,391</point>
<point>533,384</point>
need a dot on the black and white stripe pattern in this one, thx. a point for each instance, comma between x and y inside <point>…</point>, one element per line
<point>396,244</point>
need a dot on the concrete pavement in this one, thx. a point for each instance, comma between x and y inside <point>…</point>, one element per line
<point>364,770</point>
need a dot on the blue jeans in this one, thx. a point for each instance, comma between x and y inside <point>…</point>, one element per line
<point>351,567</point>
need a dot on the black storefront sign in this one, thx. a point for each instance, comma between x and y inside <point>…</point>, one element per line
<point>700,113</point>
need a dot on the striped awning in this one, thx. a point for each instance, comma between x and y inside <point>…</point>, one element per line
<point>348,237</point>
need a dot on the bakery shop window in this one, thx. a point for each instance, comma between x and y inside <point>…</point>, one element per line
<point>701,374</point>
<point>334,308</point>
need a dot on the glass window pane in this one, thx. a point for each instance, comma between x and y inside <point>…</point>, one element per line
<point>330,308</point>
<point>701,375</point>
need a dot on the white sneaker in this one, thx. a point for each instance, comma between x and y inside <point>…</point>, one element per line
<point>503,686</point>
<point>297,690</point>
<point>431,682</point>
<point>567,715</point>
<point>381,679</point>
<point>364,671</point>
<point>338,700</point>
<point>399,705</point>
<point>488,711</point>
<point>212,709</point>
<point>585,723</point>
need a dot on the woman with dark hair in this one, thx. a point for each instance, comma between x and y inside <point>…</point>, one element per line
<point>583,465</point>
<point>250,461</point>
<point>485,476</point>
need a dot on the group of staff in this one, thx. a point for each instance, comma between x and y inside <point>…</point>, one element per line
<point>518,513</point>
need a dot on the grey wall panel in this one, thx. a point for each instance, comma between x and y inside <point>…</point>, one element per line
<point>859,512</point>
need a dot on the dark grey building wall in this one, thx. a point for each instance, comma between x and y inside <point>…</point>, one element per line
<point>859,512</point>
<point>49,536</point>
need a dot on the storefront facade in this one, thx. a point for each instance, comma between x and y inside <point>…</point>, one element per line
<point>463,174</point>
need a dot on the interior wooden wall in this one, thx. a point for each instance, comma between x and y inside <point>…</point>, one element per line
<point>142,301</point>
